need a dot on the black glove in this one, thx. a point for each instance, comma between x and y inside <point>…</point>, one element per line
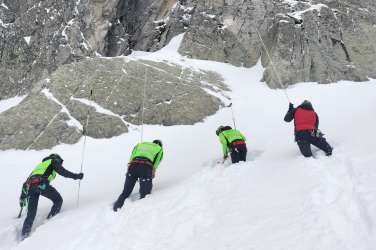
<point>79,176</point>
<point>291,106</point>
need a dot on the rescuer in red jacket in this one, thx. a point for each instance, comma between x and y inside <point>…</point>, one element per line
<point>306,129</point>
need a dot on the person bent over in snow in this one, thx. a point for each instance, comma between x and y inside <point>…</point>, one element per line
<point>143,163</point>
<point>38,183</point>
<point>306,123</point>
<point>232,141</point>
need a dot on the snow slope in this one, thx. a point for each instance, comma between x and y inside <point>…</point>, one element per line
<point>276,200</point>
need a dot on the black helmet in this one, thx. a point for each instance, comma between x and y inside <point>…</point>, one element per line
<point>220,129</point>
<point>307,105</point>
<point>306,102</point>
<point>159,142</point>
<point>56,158</point>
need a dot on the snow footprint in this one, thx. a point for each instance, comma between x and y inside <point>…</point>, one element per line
<point>341,204</point>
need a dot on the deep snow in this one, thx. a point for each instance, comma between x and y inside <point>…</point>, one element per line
<point>276,200</point>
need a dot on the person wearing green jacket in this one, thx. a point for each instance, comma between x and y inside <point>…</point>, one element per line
<point>233,142</point>
<point>142,165</point>
<point>38,183</point>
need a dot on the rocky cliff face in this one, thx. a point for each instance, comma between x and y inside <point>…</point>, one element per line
<point>36,37</point>
<point>296,40</point>
<point>320,40</point>
<point>307,40</point>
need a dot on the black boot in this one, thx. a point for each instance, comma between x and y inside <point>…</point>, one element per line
<point>329,151</point>
<point>117,205</point>
<point>25,232</point>
<point>54,210</point>
<point>52,213</point>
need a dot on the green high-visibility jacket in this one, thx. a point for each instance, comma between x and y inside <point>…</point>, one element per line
<point>48,169</point>
<point>41,169</point>
<point>228,136</point>
<point>150,151</point>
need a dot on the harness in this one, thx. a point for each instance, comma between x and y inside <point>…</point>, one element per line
<point>36,181</point>
<point>236,143</point>
<point>33,182</point>
<point>143,161</point>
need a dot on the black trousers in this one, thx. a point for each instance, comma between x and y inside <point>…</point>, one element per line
<point>34,192</point>
<point>136,171</point>
<point>306,138</point>
<point>238,153</point>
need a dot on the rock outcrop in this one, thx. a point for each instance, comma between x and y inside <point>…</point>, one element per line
<point>36,37</point>
<point>109,95</point>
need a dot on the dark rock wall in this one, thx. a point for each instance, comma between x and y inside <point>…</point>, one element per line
<point>308,40</point>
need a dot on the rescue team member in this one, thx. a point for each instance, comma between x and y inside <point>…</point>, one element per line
<point>143,163</point>
<point>232,141</point>
<point>38,183</point>
<point>307,130</point>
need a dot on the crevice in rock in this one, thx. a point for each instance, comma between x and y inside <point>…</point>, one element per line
<point>146,25</point>
<point>119,39</point>
<point>336,41</point>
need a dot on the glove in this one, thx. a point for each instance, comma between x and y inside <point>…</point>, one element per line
<point>291,106</point>
<point>79,176</point>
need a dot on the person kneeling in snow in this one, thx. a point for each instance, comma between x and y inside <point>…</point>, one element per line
<point>143,163</point>
<point>38,183</point>
<point>306,129</point>
<point>232,141</point>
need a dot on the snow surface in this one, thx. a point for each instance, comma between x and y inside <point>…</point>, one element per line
<point>299,14</point>
<point>4,6</point>
<point>10,103</point>
<point>5,25</point>
<point>99,108</point>
<point>276,200</point>
<point>72,122</point>
<point>27,39</point>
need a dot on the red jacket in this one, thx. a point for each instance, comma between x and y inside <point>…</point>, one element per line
<point>305,119</point>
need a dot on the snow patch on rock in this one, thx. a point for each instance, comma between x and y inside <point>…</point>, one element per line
<point>72,122</point>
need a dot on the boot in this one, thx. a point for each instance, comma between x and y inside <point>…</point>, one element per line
<point>53,212</point>
<point>25,232</point>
